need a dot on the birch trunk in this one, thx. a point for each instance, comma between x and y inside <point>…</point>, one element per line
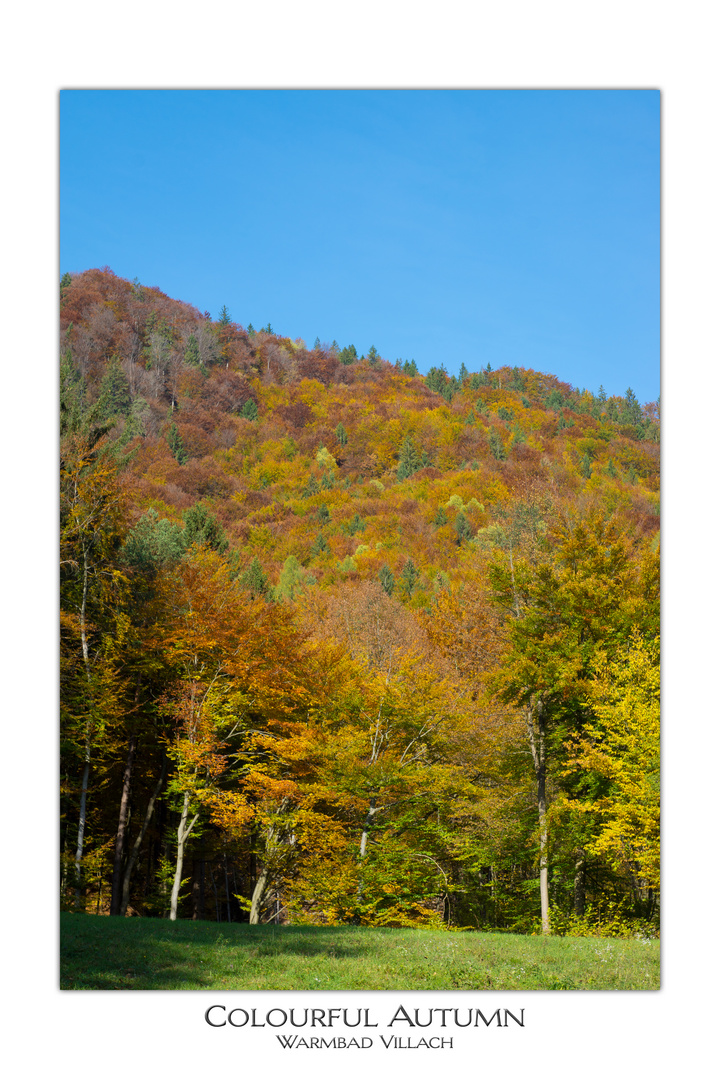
<point>535,718</point>
<point>88,728</point>
<point>183,832</point>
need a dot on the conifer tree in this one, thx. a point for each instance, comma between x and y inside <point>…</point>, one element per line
<point>409,576</point>
<point>176,445</point>
<point>409,461</point>
<point>341,435</point>
<point>249,410</point>
<point>202,527</point>
<point>255,580</point>
<point>387,579</point>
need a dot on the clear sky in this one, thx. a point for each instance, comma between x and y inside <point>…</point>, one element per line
<point>503,227</point>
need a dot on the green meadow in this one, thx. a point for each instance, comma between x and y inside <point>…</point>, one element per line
<point>101,953</point>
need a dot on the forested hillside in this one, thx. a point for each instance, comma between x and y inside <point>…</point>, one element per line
<point>343,643</point>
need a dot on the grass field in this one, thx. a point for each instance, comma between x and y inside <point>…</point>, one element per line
<point>100,953</point>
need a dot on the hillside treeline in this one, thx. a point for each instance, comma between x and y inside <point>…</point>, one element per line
<point>345,643</point>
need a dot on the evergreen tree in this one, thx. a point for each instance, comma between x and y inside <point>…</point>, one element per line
<point>311,488</point>
<point>153,542</point>
<point>202,527</point>
<point>441,517</point>
<point>250,330</point>
<point>249,410</point>
<point>65,282</point>
<point>320,545</point>
<point>496,446</point>
<point>341,435</point>
<point>631,411</point>
<point>373,355</point>
<point>115,399</point>
<point>387,579</point>
<point>476,381</point>
<point>326,484</point>
<point>436,379</point>
<point>409,576</point>
<point>356,525</point>
<point>463,374</point>
<point>224,316</point>
<point>323,514</point>
<point>192,351</point>
<point>348,355</point>
<point>255,580</point>
<point>463,528</point>
<point>586,466</point>
<point>410,368</point>
<point>176,445</point>
<point>409,462</point>
<point>316,344</point>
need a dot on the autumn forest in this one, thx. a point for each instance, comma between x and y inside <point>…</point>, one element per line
<point>342,643</point>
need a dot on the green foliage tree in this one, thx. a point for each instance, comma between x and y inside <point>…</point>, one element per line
<point>192,351</point>
<point>348,355</point>
<point>387,579</point>
<point>409,576</point>
<point>341,435</point>
<point>409,462</point>
<point>202,527</point>
<point>463,528</point>
<point>255,580</point>
<point>496,446</point>
<point>249,410</point>
<point>410,368</point>
<point>176,445</point>
<point>115,399</point>
<point>154,542</point>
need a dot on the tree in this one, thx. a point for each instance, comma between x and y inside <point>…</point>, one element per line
<point>176,445</point>
<point>202,527</point>
<point>463,528</point>
<point>409,462</point>
<point>341,435</point>
<point>249,410</point>
<point>387,579</point>
<point>563,593</point>
<point>255,580</point>
<point>409,576</point>
<point>620,745</point>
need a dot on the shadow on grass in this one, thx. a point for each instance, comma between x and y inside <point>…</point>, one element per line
<point>102,953</point>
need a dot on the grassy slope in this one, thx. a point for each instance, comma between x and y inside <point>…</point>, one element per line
<point>148,954</point>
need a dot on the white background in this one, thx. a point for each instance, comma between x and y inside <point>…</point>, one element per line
<point>523,43</point>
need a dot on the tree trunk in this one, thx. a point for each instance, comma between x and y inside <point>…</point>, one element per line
<point>372,811</point>
<point>579,883</point>
<point>535,718</point>
<point>258,893</point>
<point>127,876</point>
<point>88,729</point>
<point>116,893</point>
<point>183,832</point>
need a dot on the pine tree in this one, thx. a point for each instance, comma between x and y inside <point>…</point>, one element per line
<point>249,410</point>
<point>176,445</point>
<point>115,399</point>
<point>202,527</point>
<point>409,462</point>
<point>463,374</point>
<point>409,576</point>
<point>323,514</point>
<point>586,466</point>
<point>463,528</point>
<point>496,446</point>
<point>320,545</point>
<point>387,579</point>
<point>311,488</point>
<point>373,355</point>
<point>255,580</point>
<point>224,316</point>
<point>441,517</point>
<point>410,368</point>
<point>192,351</point>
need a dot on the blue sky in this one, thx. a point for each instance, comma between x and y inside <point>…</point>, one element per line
<point>503,227</point>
